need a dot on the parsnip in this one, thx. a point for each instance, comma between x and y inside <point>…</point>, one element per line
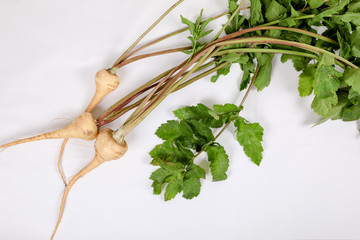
<point>106,149</point>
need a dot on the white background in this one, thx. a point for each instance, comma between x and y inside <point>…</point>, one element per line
<point>306,188</point>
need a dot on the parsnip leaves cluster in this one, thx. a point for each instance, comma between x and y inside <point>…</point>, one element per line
<point>335,91</point>
<point>192,134</point>
<point>334,85</point>
<point>197,32</point>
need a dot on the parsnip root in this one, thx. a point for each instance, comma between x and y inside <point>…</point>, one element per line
<point>59,161</point>
<point>105,82</point>
<point>83,127</point>
<point>106,149</point>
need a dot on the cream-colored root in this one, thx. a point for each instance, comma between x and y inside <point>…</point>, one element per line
<point>59,160</point>
<point>93,164</point>
<point>106,149</point>
<point>106,82</point>
<point>83,127</point>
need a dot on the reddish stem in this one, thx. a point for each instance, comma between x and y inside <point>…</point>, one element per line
<point>139,57</point>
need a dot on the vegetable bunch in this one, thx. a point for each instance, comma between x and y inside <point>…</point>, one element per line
<point>321,38</point>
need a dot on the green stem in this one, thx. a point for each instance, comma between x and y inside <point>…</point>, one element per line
<point>278,21</point>
<point>243,100</point>
<point>258,40</point>
<point>250,86</point>
<point>142,105</point>
<point>266,40</point>
<point>113,113</point>
<point>229,20</point>
<point>271,50</point>
<point>146,107</point>
<point>266,50</point>
<point>114,68</point>
<point>119,108</point>
<point>129,125</point>
<point>241,104</point>
<point>145,104</point>
<point>172,34</point>
<point>147,55</point>
<point>254,29</point>
<point>181,86</point>
<point>128,98</point>
<point>146,32</point>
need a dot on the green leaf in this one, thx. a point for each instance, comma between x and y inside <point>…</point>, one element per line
<point>225,113</point>
<point>351,113</point>
<point>335,8</point>
<point>354,18</point>
<point>315,3</point>
<point>171,167</point>
<point>256,16</point>
<point>352,78</point>
<point>174,186</point>
<point>230,58</point>
<point>194,171</point>
<point>336,111</point>
<point>190,24</point>
<point>215,78</point>
<point>200,113</point>
<point>203,25</point>
<point>288,22</point>
<point>354,6</point>
<point>169,131</point>
<point>306,80</point>
<point>326,81</point>
<point>274,33</point>
<point>354,97</point>
<point>171,152</point>
<point>236,23</point>
<point>249,135</point>
<point>219,161</point>
<point>326,60</point>
<point>232,6</point>
<point>297,37</point>
<point>323,105</point>
<point>266,3</point>
<point>355,43</point>
<point>299,62</point>
<point>222,71</point>
<point>191,187</point>
<point>158,178</point>
<point>227,108</point>
<point>201,130</point>
<point>173,130</point>
<point>345,48</point>
<point>275,11</point>
<point>197,31</point>
<point>247,68</point>
<point>265,67</point>
<point>234,58</point>
<point>165,174</point>
<point>191,183</point>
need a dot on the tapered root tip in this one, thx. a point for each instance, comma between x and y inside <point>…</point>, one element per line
<point>26,140</point>
<point>106,149</point>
